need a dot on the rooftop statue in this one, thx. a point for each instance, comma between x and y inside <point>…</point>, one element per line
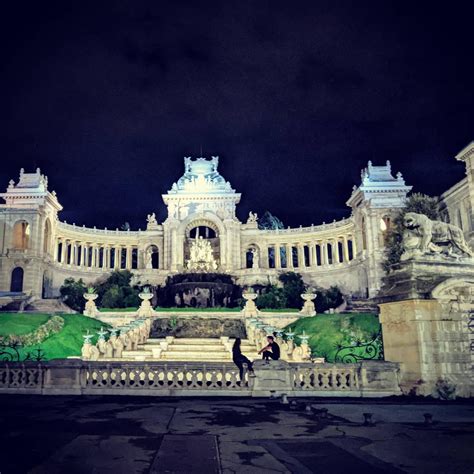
<point>253,217</point>
<point>423,236</point>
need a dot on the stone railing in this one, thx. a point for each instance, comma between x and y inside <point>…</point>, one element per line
<point>77,377</point>
<point>312,228</point>
<point>164,376</point>
<point>93,230</point>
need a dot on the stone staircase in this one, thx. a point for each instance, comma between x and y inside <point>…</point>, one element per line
<point>51,305</point>
<point>361,306</point>
<point>188,350</point>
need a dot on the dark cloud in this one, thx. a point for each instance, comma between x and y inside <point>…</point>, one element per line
<point>108,97</point>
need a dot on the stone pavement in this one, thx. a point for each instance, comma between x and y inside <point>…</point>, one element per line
<point>75,435</point>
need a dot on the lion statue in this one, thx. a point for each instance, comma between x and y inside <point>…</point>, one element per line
<point>424,236</point>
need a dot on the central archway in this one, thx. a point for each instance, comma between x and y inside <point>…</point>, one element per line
<point>205,229</point>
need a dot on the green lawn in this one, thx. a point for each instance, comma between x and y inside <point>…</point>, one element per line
<point>330,331</point>
<point>66,343</point>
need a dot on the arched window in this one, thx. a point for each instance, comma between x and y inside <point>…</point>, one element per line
<point>21,235</point>
<point>152,257</point>
<point>47,237</point>
<point>16,285</point>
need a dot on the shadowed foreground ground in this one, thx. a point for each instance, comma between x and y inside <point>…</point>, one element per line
<point>56,435</point>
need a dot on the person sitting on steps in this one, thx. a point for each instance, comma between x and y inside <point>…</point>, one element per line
<point>239,359</point>
<point>270,351</point>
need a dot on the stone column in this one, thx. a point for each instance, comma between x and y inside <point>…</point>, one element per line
<point>289,255</point>
<point>312,254</point>
<point>335,251</point>
<point>118,258</point>
<point>128,265</point>
<point>64,252</point>
<point>277,256</point>
<point>301,256</point>
<point>55,254</point>
<point>94,255</point>
<point>324,253</point>
<point>345,247</point>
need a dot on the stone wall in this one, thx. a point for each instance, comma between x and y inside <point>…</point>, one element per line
<point>426,311</point>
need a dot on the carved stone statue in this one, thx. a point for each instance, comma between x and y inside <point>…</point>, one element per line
<point>423,236</point>
<point>255,258</point>
<point>152,223</point>
<point>201,258</point>
<point>252,219</point>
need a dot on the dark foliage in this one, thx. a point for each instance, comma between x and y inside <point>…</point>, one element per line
<point>72,292</point>
<point>117,292</point>
<point>269,221</point>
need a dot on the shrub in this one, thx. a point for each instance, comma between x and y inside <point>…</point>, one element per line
<point>326,299</point>
<point>72,292</point>
<point>272,297</point>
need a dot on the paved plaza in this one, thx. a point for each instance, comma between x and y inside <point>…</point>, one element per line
<point>56,435</point>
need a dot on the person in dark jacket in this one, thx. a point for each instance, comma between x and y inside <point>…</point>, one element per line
<point>239,359</point>
<point>271,350</point>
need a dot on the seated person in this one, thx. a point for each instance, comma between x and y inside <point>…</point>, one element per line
<point>270,351</point>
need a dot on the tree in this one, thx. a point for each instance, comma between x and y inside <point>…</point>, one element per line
<point>269,221</point>
<point>72,292</point>
<point>419,203</point>
<point>117,292</point>
<point>293,287</point>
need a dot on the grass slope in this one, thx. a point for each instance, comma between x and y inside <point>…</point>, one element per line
<point>327,331</point>
<point>58,346</point>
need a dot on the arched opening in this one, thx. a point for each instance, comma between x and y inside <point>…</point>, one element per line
<point>16,285</point>
<point>21,235</point>
<point>152,257</point>
<point>249,259</point>
<point>47,237</point>
<point>47,286</point>
<point>385,225</point>
<point>202,245</point>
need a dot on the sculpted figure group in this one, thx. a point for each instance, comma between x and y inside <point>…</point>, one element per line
<point>113,347</point>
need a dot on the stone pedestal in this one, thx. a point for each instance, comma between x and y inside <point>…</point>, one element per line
<point>250,309</point>
<point>145,310</point>
<point>91,308</point>
<point>272,377</point>
<point>425,312</point>
<point>308,307</point>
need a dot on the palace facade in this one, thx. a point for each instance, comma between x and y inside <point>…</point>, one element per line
<point>38,251</point>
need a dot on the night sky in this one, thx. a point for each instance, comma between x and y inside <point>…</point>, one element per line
<point>295,98</point>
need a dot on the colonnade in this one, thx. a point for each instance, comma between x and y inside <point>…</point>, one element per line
<point>92,255</point>
<point>308,254</point>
